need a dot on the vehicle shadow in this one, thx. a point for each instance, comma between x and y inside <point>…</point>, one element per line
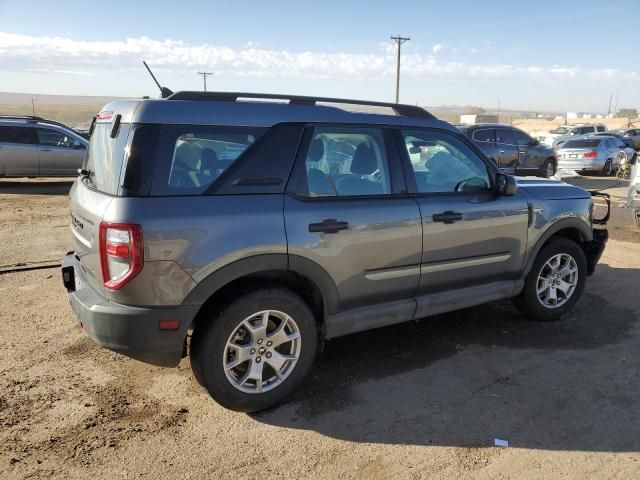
<point>465,378</point>
<point>36,187</point>
<point>596,183</point>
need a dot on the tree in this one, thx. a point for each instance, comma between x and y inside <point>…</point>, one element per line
<point>627,113</point>
<point>475,111</point>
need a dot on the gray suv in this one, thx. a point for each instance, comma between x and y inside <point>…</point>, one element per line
<point>244,233</point>
<point>33,147</point>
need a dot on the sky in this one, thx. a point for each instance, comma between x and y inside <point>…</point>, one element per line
<point>544,55</point>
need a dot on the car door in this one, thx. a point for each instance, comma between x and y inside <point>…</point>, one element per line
<point>531,156</point>
<point>471,235</point>
<point>18,151</point>
<point>507,150</point>
<point>59,152</point>
<point>485,138</point>
<point>347,213</point>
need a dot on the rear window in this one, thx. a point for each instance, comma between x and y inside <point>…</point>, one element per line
<point>582,143</point>
<point>105,157</point>
<point>192,157</point>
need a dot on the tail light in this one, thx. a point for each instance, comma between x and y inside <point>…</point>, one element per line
<point>591,154</point>
<point>121,253</point>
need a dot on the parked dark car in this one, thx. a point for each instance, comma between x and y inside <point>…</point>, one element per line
<point>626,136</point>
<point>513,150</point>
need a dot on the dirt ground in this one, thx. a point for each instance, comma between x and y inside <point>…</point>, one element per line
<point>419,400</point>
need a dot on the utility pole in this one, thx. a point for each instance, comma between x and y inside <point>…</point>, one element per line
<point>33,106</point>
<point>615,108</point>
<point>609,110</point>
<point>204,78</point>
<point>399,41</point>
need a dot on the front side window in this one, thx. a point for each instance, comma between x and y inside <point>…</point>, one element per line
<point>53,138</point>
<point>346,162</point>
<point>447,164</point>
<point>505,136</point>
<point>601,128</point>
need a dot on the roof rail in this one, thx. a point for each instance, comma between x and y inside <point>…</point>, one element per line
<point>398,108</point>
<point>34,119</point>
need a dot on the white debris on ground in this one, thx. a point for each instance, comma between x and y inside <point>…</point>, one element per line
<point>565,173</point>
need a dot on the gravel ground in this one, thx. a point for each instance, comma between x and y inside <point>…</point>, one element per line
<point>418,400</point>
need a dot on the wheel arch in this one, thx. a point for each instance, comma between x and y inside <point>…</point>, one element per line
<point>303,276</point>
<point>571,228</point>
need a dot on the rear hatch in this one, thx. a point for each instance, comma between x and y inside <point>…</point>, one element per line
<point>95,189</point>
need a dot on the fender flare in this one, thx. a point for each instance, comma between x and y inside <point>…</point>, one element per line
<point>565,223</point>
<point>264,263</point>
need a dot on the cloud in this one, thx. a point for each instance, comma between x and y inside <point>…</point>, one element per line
<point>25,53</point>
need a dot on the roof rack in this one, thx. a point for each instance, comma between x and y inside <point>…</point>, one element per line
<point>398,108</point>
<point>34,119</point>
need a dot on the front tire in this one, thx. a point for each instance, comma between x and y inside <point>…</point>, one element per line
<point>556,281</point>
<point>255,351</point>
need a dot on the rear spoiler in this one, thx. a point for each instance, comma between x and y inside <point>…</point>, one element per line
<point>607,198</point>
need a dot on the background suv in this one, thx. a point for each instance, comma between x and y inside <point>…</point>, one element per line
<point>244,233</point>
<point>564,133</point>
<point>32,146</point>
<point>513,150</point>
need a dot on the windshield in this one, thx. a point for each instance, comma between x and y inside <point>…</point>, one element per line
<point>104,157</point>
<point>591,143</point>
<point>561,130</point>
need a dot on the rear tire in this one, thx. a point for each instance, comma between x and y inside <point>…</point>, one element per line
<point>636,217</point>
<point>607,170</point>
<point>549,168</point>
<point>252,333</point>
<point>536,299</point>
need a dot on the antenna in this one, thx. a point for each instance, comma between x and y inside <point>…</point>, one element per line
<point>164,91</point>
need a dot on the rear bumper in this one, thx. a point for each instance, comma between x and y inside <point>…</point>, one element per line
<point>131,331</point>
<point>581,164</point>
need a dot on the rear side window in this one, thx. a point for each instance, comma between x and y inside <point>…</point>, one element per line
<point>600,128</point>
<point>522,139</point>
<point>581,143</point>
<point>192,157</point>
<point>23,135</point>
<point>53,138</point>
<point>505,136</point>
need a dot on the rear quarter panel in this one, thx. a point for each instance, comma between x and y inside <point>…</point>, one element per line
<point>188,238</point>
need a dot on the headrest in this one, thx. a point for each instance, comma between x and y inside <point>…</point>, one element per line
<point>316,151</point>
<point>364,161</point>
<point>209,159</point>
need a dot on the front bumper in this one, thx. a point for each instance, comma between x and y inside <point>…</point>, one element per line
<point>131,331</point>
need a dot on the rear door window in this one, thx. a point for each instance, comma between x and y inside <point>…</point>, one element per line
<point>53,138</point>
<point>485,135</point>
<point>522,139</point>
<point>22,135</point>
<point>105,157</point>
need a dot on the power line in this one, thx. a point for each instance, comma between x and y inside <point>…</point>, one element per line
<point>399,41</point>
<point>204,78</point>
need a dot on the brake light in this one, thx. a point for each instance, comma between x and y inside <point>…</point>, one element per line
<point>121,253</point>
<point>591,154</point>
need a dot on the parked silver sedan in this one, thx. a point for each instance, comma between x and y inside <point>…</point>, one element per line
<point>32,147</point>
<point>601,154</point>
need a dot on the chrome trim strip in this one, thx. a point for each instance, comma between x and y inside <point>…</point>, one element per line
<point>464,263</point>
<point>393,273</point>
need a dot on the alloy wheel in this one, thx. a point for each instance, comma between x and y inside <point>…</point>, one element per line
<point>262,351</point>
<point>557,280</point>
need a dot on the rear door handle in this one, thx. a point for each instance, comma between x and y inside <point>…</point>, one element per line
<point>328,225</point>
<point>447,217</point>
<point>45,149</point>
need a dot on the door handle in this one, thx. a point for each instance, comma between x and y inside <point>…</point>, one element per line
<point>328,225</point>
<point>501,151</point>
<point>45,149</point>
<point>447,217</point>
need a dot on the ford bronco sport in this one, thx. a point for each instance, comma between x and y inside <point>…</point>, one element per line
<point>245,229</point>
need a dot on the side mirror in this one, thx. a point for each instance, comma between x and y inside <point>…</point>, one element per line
<point>506,185</point>
<point>78,146</point>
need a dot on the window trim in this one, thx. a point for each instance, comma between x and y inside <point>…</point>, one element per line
<point>483,129</point>
<point>298,176</point>
<point>412,186</point>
